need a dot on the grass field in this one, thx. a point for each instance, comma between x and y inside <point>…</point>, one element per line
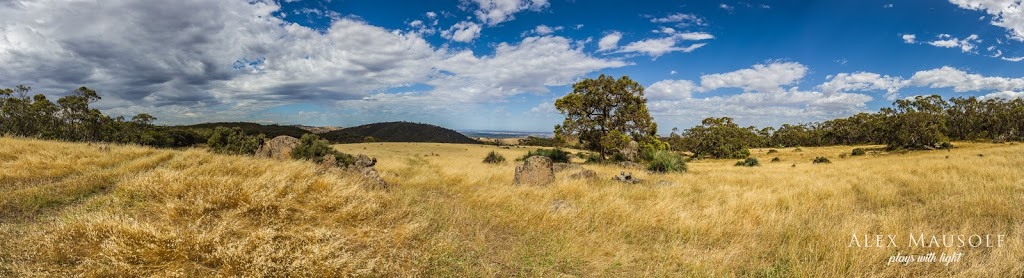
<point>72,209</point>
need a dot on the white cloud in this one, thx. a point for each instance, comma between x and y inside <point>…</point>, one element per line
<point>681,19</point>
<point>1008,14</point>
<point>1009,95</point>
<point>944,77</point>
<point>671,90</point>
<point>661,46</point>
<point>863,81</point>
<point>609,42</point>
<point>665,30</point>
<point>545,30</point>
<point>695,36</point>
<point>966,45</point>
<point>544,108</point>
<point>431,15</point>
<point>726,7</point>
<point>909,38</point>
<point>1013,59</point>
<point>887,6</point>
<point>493,12</point>
<point>760,77</point>
<point>464,31</point>
<point>960,81</point>
<point>763,102</point>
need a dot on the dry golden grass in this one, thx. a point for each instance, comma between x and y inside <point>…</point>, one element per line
<point>191,213</point>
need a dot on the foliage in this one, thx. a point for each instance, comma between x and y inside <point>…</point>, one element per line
<point>268,131</point>
<point>749,162</point>
<point>666,161</point>
<point>858,152</point>
<point>540,141</point>
<point>776,159</point>
<point>233,141</point>
<point>821,159</point>
<point>604,114</point>
<point>494,158</point>
<point>312,148</point>
<point>771,151</point>
<point>556,154</point>
<point>369,139</point>
<point>718,138</point>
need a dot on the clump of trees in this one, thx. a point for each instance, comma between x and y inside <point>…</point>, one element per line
<point>72,119</point>
<point>920,123</point>
<point>312,148</point>
<point>606,115</point>
<point>233,141</point>
<point>540,141</point>
<point>716,138</point>
<point>749,162</point>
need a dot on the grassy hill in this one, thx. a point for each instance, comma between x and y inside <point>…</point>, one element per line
<point>398,132</point>
<point>70,209</point>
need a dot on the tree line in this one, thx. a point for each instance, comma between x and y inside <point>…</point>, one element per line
<point>71,119</point>
<point>605,114</point>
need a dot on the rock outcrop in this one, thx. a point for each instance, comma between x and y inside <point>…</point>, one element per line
<point>535,171</point>
<point>278,148</point>
<point>626,178</point>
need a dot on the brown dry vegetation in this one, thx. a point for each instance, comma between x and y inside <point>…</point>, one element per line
<point>67,208</point>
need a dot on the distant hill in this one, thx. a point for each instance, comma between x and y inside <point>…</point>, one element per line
<point>318,129</point>
<point>270,131</point>
<point>398,132</point>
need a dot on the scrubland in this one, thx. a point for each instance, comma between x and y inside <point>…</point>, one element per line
<point>74,209</point>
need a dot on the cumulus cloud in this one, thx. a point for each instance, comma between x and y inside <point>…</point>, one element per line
<point>671,89</point>
<point>1007,14</point>
<point>760,77</point>
<point>909,38</point>
<point>966,45</point>
<point>944,77</point>
<point>464,31</point>
<point>661,46</point>
<point>609,41</point>
<point>198,60</point>
<point>863,81</point>
<point>763,101</point>
<point>493,12</point>
<point>681,19</point>
<point>1004,95</point>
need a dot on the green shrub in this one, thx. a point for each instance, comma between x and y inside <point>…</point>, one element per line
<point>233,141</point>
<point>858,152</point>
<point>556,154</point>
<point>494,158</point>
<point>842,155</point>
<point>312,148</point>
<point>771,151</point>
<point>821,159</point>
<point>749,162</point>
<point>797,150</point>
<point>666,161</point>
<point>776,159</point>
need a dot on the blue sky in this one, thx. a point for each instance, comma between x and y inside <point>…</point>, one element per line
<point>500,64</point>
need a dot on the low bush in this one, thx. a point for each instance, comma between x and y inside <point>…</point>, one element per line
<point>771,151</point>
<point>776,159</point>
<point>312,148</point>
<point>556,154</point>
<point>749,162</point>
<point>821,159</point>
<point>842,155</point>
<point>797,150</point>
<point>666,161</point>
<point>858,152</point>
<point>494,158</point>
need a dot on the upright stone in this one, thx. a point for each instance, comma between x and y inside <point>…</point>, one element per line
<point>535,171</point>
<point>278,148</point>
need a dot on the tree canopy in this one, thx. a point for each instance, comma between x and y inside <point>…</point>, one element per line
<point>605,114</point>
